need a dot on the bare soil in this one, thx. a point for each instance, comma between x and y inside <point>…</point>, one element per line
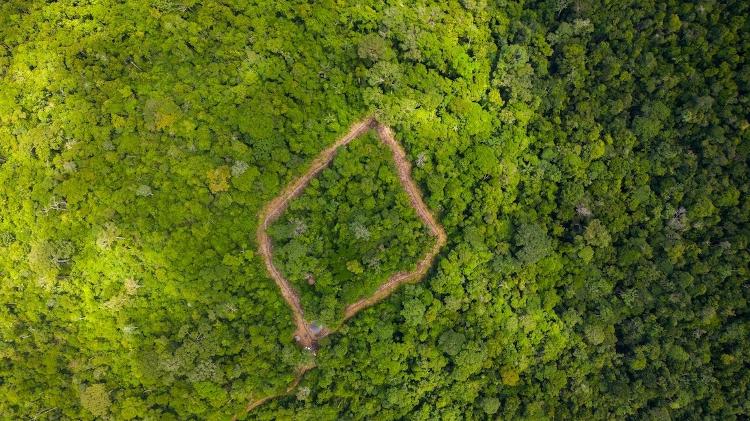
<point>403,167</point>
<point>254,403</point>
<point>307,334</point>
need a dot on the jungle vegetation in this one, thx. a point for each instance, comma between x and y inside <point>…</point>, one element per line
<point>350,230</point>
<point>587,158</point>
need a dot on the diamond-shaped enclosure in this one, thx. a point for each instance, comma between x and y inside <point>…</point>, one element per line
<point>308,332</point>
<point>350,229</point>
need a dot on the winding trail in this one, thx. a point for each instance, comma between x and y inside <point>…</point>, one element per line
<point>293,385</point>
<point>271,212</point>
<point>403,168</point>
<point>306,334</point>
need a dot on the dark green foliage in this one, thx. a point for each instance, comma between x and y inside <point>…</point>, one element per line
<point>351,229</point>
<point>533,242</point>
<point>588,159</point>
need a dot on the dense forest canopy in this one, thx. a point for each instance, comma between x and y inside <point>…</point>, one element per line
<point>350,230</point>
<point>588,160</point>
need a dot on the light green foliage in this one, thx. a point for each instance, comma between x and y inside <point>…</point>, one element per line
<point>95,399</point>
<point>588,159</point>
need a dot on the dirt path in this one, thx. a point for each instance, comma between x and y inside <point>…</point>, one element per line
<point>289,389</point>
<point>305,334</point>
<point>403,167</point>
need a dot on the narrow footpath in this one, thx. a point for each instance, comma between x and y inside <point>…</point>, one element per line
<point>306,334</point>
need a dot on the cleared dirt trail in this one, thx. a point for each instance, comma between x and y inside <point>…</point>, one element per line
<point>276,207</point>
<point>305,334</point>
<point>289,389</point>
<point>403,167</point>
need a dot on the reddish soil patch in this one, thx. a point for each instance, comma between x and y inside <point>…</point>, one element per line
<point>307,334</point>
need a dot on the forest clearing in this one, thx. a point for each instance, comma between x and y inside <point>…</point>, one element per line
<point>306,335</point>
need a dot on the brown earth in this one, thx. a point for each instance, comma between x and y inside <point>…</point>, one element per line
<point>306,334</point>
<point>289,389</point>
<point>293,385</point>
<point>403,168</point>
